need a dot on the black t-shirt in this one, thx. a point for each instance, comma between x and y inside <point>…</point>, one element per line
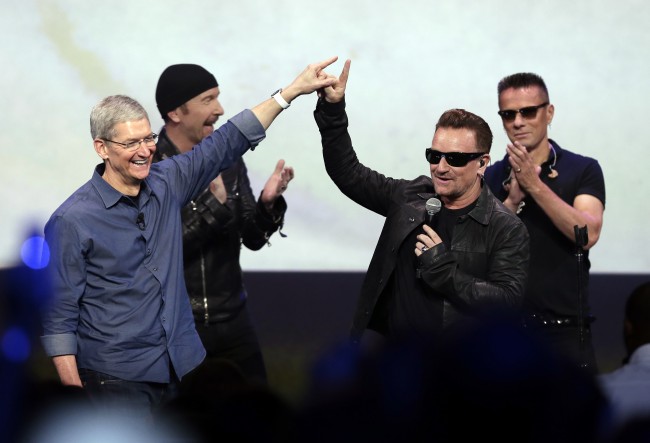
<point>408,307</point>
<point>553,278</point>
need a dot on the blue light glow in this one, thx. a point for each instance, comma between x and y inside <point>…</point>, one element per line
<point>35,252</point>
<point>15,345</point>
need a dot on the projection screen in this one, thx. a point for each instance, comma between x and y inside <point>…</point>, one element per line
<point>411,60</point>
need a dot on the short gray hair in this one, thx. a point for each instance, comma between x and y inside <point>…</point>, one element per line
<point>113,110</point>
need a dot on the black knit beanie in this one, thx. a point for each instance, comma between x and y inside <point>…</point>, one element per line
<point>180,83</point>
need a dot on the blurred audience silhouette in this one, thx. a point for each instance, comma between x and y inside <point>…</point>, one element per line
<point>488,379</point>
<point>628,387</point>
<point>218,402</point>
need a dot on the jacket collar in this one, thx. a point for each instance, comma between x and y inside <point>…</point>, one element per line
<point>165,148</point>
<point>481,212</point>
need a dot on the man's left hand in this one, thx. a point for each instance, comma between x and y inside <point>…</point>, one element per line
<point>277,183</point>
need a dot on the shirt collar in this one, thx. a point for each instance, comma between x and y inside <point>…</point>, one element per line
<point>109,195</point>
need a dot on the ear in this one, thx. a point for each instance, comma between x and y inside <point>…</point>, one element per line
<point>100,148</point>
<point>550,112</point>
<point>173,115</point>
<point>482,163</point>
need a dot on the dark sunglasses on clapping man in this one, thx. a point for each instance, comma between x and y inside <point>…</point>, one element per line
<point>529,112</point>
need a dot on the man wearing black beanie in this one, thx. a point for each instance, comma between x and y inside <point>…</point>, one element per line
<point>216,223</point>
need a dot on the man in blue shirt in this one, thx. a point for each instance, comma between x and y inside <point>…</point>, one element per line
<point>121,324</point>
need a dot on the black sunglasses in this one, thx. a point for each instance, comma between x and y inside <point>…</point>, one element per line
<point>456,159</point>
<point>529,112</point>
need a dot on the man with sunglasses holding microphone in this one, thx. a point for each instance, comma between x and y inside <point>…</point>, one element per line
<point>428,271</point>
<point>553,191</point>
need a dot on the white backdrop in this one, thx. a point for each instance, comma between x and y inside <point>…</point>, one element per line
<point>411,60</point>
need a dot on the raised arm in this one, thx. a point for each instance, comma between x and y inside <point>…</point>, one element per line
<point>335,92</point>
<point>311,79</point>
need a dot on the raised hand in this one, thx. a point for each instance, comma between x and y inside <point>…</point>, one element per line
<point>277,183</point>
<point>311,79</point>
<point>218,189</point>
<point>335,92</point>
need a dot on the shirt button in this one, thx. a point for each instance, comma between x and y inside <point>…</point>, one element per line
<point>148,251</point>
<point>411,219</point>
<point>155,269</point>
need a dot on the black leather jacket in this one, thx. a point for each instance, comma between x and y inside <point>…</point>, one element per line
<point>212,238</point>
<point>489,257</point>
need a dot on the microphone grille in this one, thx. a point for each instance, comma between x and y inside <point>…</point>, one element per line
<point>433,205</point>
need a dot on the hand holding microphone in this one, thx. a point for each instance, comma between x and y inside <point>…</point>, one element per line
<point>432,206</point>
<point>430,238</point>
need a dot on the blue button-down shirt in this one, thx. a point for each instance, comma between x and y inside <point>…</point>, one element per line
<point>120,299</point>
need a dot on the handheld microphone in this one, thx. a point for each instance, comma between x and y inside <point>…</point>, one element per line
<point>140,221</point>
<point>432,206</point>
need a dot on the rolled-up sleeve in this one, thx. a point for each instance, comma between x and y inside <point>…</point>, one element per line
<point>250,127</point>
<point>68,272</point>
<point>59,344</point>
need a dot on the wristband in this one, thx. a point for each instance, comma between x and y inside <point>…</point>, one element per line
<point>281,101</point>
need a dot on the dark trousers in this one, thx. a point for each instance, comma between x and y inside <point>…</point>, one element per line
<point>566,341</point>
<point>235,340</point>
<point>134,400</point>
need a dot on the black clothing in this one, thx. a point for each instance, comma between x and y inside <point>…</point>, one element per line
<point>212,237</point>
<point>485,264</point>
<point>552,293</point>
<point>553,275</point>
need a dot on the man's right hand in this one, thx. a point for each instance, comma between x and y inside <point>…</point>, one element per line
<point>218,189</point>
<point>66,367</point>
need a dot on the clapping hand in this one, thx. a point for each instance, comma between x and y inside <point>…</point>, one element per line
<point>277,183</point>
